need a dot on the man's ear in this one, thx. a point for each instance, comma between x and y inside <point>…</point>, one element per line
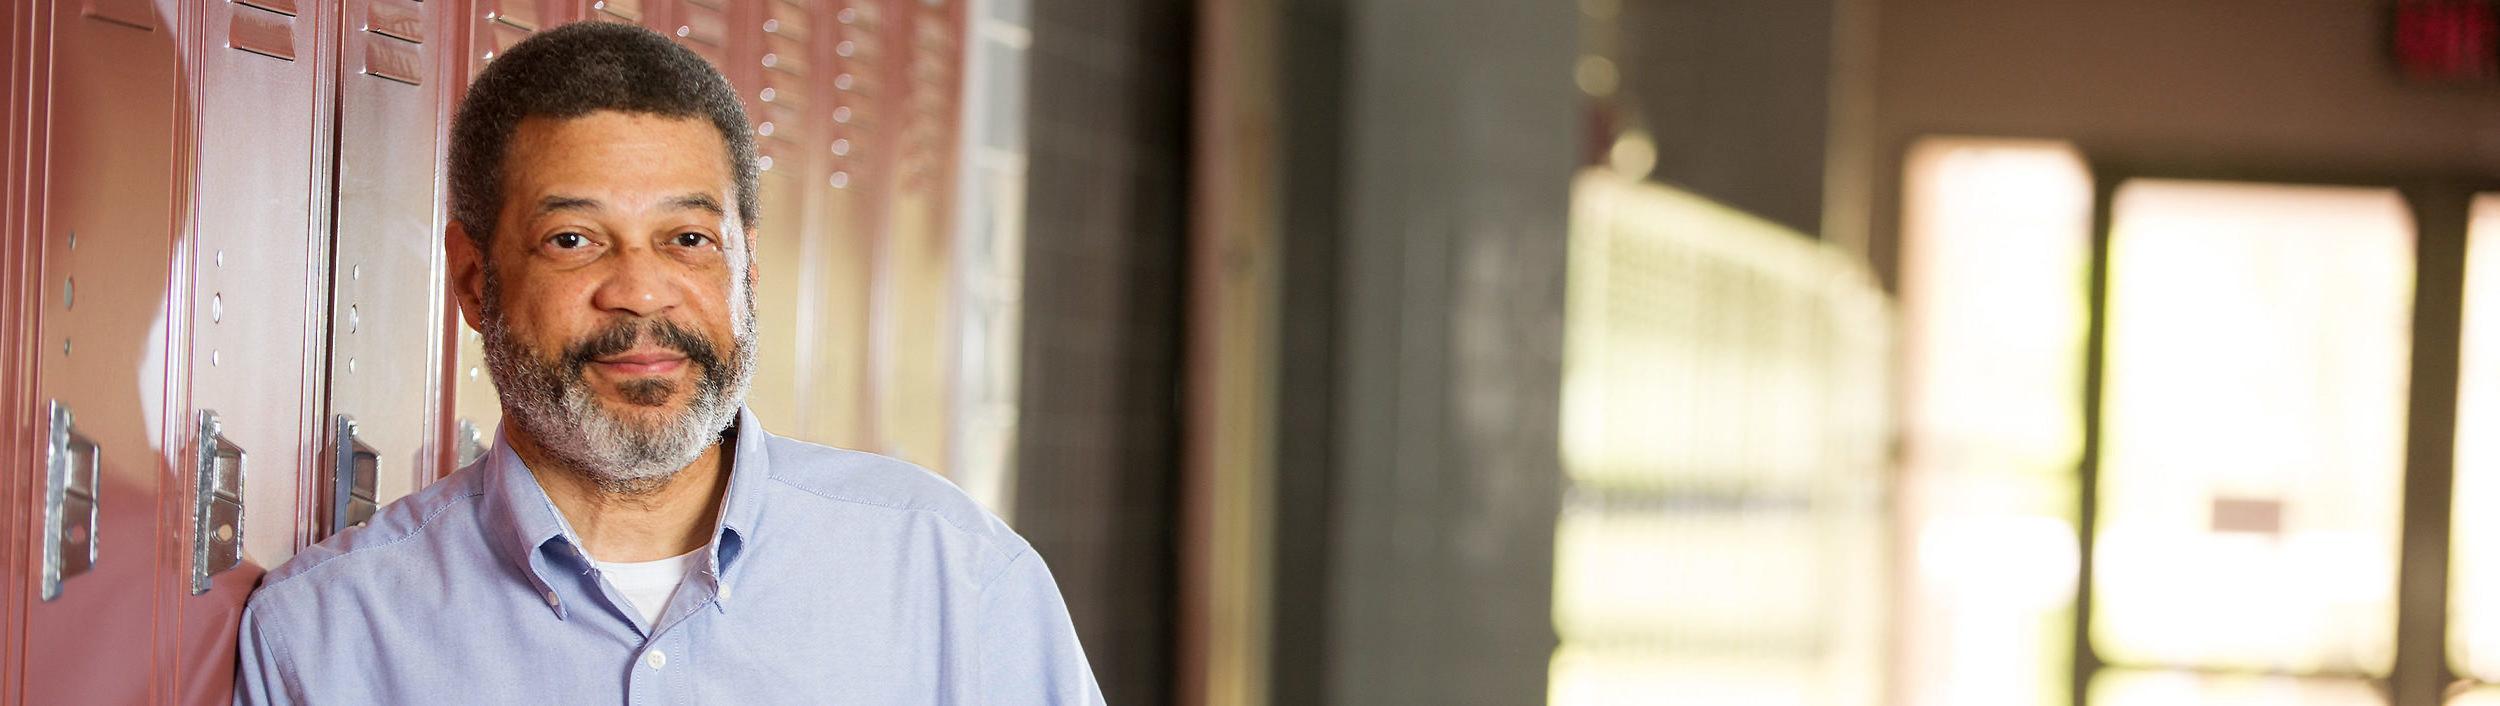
<point>467,268</point>
<point>755,265</point>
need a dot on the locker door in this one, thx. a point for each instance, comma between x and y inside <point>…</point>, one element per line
<point>249,325</point>
<point>387,297</point>
<point>790,102</point>
<point>924,48</point>
<point>16,451</point>
<point>853,195</point>
<point>101,347</point>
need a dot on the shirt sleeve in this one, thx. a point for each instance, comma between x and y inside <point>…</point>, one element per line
<point>259,676</point>
<point>1030,653</point>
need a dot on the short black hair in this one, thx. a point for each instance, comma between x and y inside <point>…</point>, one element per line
<point>572,71</point>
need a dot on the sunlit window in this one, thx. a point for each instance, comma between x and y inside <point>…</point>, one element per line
<point>2253,447</point>
<point>1723,409</point>
<point>988,316</point>
<point>2147,688</point>
<point>1995,259</point>
<point>2474,633</point>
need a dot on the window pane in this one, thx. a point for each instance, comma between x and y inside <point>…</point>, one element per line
<point>2474,632</point>
<point>1996,256</point>
<point>1723,426</point>
<point>2254,414</point>
<point>2121,687</point>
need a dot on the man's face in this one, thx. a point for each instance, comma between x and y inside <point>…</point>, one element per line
<point>615,296</point>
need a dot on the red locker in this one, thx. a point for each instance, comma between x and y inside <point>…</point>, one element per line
<point>387,300</point>
<point>250,271</point>
<point>101,423</point>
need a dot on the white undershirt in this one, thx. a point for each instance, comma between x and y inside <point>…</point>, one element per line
<point>649,584</point>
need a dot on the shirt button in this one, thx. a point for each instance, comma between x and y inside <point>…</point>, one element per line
<point>724,590</point>
<point>656,659</point>
<point>551,599</point>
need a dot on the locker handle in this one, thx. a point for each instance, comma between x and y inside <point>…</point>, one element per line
<point>217,510</point>
<point>72,466</point>
<point>354,468</point>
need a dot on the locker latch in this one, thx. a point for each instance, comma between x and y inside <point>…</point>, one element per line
<point>69,502</point>
<point>217,512</point>
<point>353,469</point>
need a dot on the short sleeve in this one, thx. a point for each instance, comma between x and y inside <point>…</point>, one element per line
<point>1029,652</point>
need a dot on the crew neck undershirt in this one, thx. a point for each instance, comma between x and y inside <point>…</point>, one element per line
<point>649,585</point>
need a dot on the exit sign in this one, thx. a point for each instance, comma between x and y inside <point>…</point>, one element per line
<point>2447,40</point>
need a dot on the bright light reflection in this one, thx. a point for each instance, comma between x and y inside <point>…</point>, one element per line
<point>2254,411</point>
<point>1996,254</point>
<point>1722,432</point>
<point>2120,687</point>
<point>2474,635</point>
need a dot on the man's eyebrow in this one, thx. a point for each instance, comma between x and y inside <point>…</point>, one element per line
<point>700,202</point>
<point>554,204</point>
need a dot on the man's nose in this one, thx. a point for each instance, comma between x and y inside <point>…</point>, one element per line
<point>638,283</point>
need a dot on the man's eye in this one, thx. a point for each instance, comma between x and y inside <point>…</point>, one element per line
<point>569,241</point>
<point>692,240</point>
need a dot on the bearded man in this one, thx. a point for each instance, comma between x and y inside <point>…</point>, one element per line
<point>635,536</point>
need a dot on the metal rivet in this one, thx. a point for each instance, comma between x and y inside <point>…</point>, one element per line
<point>69,291</point>
<point>221,258</point>
<point>225,533</point>
<point>354,320</point>
<point>351,365</point>
<point>216,307</point>
<point>64,346</point>
<point>73,240</point>
<point>214,359</point>
<point>356,272</point>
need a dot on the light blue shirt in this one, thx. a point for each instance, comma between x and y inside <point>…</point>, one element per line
<point>834,577</point>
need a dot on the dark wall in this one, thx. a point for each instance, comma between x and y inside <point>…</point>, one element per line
<point>1098,452</point>
<point>1737,94</point>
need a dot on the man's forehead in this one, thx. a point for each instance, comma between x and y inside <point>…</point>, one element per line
<point>610,158</point>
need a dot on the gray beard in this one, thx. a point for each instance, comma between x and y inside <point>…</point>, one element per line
<point>546,396</point>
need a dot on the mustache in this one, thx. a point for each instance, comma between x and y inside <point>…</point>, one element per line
<point>625,334</point>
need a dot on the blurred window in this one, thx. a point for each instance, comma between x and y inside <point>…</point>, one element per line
<point>1723,435</point>
<point>2166,688</point>
<point>2474,627</point>
<point>1996,260</point>
<point>2253,450</point>
<point>988,268</point>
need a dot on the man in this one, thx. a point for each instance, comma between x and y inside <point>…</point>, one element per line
<point>635,536</point>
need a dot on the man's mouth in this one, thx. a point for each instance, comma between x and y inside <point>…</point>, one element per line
<point>641,362</point>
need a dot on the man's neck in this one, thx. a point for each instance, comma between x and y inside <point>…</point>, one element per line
<point>672,518</point>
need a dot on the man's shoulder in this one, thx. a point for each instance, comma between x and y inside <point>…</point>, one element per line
<point>369,552</point>
<point>871,480</point>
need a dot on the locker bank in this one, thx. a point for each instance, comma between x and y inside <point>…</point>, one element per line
<point>231,335</point>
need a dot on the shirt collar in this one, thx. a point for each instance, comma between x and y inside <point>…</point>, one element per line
<point>523,520</point>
